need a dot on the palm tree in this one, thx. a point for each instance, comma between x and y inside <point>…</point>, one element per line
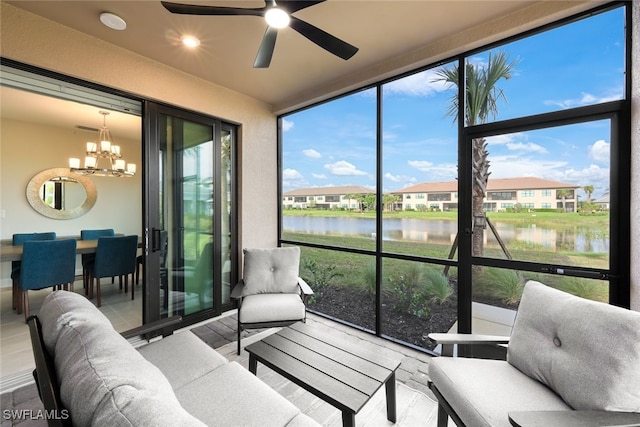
<point>481,102</point>
<point>563,194</point>
<point>589,189</point>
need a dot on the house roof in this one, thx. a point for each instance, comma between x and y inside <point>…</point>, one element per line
<point>329,191</point>
<point>494,184</point>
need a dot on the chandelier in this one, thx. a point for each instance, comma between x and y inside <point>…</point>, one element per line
<point>103,149</point>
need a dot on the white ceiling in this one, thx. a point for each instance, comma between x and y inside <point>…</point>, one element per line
<point>383,30</point>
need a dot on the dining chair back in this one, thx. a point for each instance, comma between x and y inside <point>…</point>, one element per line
<point>115,256</point>
<point>46,263</point>
<point>87,259</point>
<point>19,239</point>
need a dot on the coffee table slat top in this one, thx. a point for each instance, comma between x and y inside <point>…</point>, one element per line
<point>339,371</point>
<point>324,364</point>
<point>362,352</point>
<point>339,356</point>
<point>325,386</point>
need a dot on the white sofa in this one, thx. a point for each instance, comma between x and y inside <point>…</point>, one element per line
<point>175,381</point>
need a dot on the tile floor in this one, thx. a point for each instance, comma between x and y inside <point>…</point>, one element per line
<point>16,356</point>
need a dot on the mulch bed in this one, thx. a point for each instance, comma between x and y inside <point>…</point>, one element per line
<point>351,306</point>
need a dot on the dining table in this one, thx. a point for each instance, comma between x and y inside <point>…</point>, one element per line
<point>10,252</point>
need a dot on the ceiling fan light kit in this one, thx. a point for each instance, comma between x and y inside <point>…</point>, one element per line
<point>276,16</point>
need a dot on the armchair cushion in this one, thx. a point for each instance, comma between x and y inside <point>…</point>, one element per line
<point>587,352</point>
<point>271,308</point>
<point>273,270</point>
<point>492,388</point>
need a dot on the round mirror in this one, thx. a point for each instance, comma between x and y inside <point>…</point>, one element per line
<point>57,193</point>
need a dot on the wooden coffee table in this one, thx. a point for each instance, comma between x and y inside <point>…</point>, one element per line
<point>337,371</point>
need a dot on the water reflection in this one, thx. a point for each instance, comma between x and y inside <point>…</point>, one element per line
<point>580,239</point>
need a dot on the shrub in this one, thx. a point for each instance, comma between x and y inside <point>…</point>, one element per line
<point>437,286</point>
<point>321,276</point>
<point>507,285</point>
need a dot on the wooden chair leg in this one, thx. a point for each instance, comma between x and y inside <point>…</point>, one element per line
<point>19,302</point>
<point>14,294</point>
<point>133,288</point>
<point>98,292</point>
<point>25,303</point>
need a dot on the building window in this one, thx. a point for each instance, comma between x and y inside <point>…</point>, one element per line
<point>546,193</point>
<point>527,193</point>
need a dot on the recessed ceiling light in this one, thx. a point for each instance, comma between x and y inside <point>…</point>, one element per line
<point>113,21</point>
<point>190,41</point>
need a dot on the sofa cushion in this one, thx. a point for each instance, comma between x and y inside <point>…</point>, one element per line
<point>271,270</point>
<point>587,351</point>
<point>483,392</point>
<point>272,307</point>
<point>103,379</point>
<point>232,396</point>
<point>62,308</point>
<point>182,357</point>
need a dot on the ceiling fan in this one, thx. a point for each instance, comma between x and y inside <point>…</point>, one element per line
<point>277,16</point>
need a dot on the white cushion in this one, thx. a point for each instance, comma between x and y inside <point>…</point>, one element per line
<point>587,351</point>
<point>182,357</point>
<point>271,307</point>
<point>483,392</point>
<point>271,270</point>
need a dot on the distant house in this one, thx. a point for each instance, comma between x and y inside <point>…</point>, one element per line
<point>324,197</point>
<point>502,194</point>
<point>603,202</point>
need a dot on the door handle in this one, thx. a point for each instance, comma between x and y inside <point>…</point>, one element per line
<point>155,239</point>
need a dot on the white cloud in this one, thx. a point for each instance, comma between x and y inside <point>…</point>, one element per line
<point>585,99</point>
<point>526,146</point>
<point>311,153</point>
<point>286,125</point>
<point>342,167</point>
<point>319,176</point>
<point>419,84</point>
<point>421,165</point>
<point>399,178</point>
<point>291,178</point>
<point>600,151</point>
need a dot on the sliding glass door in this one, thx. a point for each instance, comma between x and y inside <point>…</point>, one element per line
<point>191,231</point>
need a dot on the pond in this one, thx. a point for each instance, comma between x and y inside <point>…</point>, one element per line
<point>578,239</point>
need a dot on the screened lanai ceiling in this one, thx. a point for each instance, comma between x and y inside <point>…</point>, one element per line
<point>391,35</point>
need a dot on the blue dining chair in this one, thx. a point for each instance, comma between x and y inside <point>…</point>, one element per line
<point>87,259</point>
<point>115,256</point>
<point>46,263</point>
<point>19,239</point>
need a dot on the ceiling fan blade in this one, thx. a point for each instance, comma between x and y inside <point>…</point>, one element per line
<point>292,6</point>
<point>193,9</point>
<point>265,52</point>
<point>323,39</point>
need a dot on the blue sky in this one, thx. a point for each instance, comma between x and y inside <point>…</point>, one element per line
<point>580,64</point>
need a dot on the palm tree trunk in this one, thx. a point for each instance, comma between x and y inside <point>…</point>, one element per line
<point>480,178</point>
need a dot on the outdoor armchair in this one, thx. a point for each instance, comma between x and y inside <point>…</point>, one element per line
<point>570,361</point>
<point>271,293</point>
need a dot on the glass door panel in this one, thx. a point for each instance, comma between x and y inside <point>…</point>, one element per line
<point>187,214</point>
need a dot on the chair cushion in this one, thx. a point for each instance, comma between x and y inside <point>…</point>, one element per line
<point>483,392</point>
<point>271,270</point>
<point>271,308</point>
<point>587,351</point>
